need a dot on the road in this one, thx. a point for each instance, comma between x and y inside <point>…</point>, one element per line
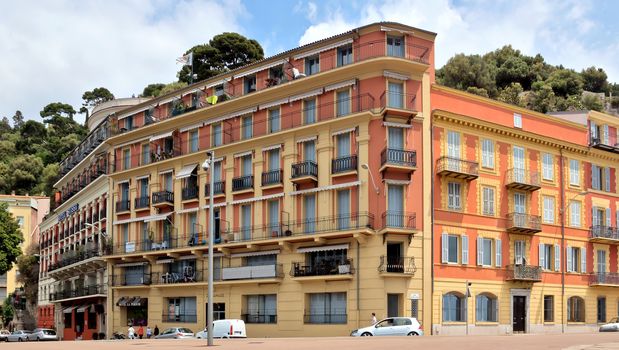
<point>520,342</point>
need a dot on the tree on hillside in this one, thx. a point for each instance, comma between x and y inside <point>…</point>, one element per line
<point>56,110</point>
<point>511,94</point>
<point>5,126</point>
<point>172,87</point>
<point>595,80</point>
<point>224,52</point>
<point>96,97</point>
<point>26,171</point>
<point>31,134</point>
<point>462,72</point>
<point>18,120</point>
<point>10,238</point>
<point>28,265</point>
<point>565,82</point>
<point>152,90</point>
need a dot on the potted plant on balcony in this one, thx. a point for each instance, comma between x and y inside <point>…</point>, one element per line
<point>344,268</point>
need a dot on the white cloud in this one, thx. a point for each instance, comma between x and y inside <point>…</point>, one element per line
<point>62,48</point>
<point>478,27</point>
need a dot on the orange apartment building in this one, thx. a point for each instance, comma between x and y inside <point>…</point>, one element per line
<point>525,218</point>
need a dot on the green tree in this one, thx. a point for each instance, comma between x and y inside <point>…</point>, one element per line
<point>5,126</point>
<point>592,102</point>
<point>541,98</point>
<point>595,80</point>
<point>56,110</point>
<point>7,310</point>
<point>513,70</point>
<point>49,178</point>
<point>565,82</point>
<point>28,265</point>
<point>31,134</point>
<point>18,120</point>
<point>224,52</point>
<point>511,94</point>
<point>10,239</point>
<point>172,87</point>
<point>477,91</point>
<point>26,171</point>
<point>462,72</point>
<point>152,90</point>
<point>96,97</point>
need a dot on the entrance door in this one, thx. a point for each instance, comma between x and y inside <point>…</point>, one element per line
<point>520,313</point>
<point>393,305</point>
<point>219,311</point>
<point>520,209</point>
<point>395,262</point>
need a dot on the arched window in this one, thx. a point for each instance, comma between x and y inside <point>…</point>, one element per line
<point>486,308</point>
<point>454,307</point>
<point>575,309</point>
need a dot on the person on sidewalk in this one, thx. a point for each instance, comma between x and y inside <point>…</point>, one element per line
<point>141,332</point>
<point>374,319</point>
<point>149,332</point>
<point>156,332</point>
<point>131,332</point>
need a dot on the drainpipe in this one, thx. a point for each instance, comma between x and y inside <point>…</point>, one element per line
<point>564,262</point>
<point>432,216</point>
<point>358,287</point>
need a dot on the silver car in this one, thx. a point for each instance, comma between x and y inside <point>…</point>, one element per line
<point>176,333</point>
<point>3,334</point>
<point>40,334</point>
<point>18,336</point>
<point>612,326</point>
<point>391,326</point>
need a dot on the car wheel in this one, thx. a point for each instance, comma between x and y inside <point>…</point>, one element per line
<point>366,334</point>
<point>19,339</point>
<point>38,339</point>
<point>412,334</point>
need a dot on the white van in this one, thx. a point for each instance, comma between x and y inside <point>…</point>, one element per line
<point>225,329</point>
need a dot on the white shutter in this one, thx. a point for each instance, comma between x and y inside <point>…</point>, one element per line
<point>608,223</point>
<point>617,218</point>
<point>605,136</point>
<point>480,251</point>
<point>542,260</point>
<point>465,250</point>
<point>445,245</point>
<point>568,253</point>
<point>557,257</point>
<point>583,260</point>
<point>594,216</point>
<point>607,179</point>
<point>498,249</point>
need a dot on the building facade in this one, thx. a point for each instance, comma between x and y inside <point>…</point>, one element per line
<point>317,181</point>
<point>525,217</point>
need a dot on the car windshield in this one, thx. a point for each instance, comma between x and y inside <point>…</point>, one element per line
<point>385,323</point>
<point>49,332</point>
<point>169,330</point>
<point>614,320</point>
<point>185,330</point>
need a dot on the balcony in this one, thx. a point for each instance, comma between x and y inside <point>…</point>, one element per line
<point>252,272</point>
<point>163,198</point>
<point>457,168</point>
<point>141,203</point>
<point>339,318</point>
<point>397,265</point>
<point>604,279</point>
<point>343,165</point>
<point>179,318</point>
<point>73,261</point>
<point>523,223</point>
<point>219,187</point>
<point>189,193</point>
<point>596,142</point>
<point>271,318</point>
<point>523,180</point>
<point>324,268</point>
<point>123,206</point>
<point>126,279</point>
<point>243,183</point>
<point>86,291</point>
<point>398,104</point>
<point>306,171</point>
<point>145,246</point>
<point>398,160</point>
<point>399,220</point>
<point>524,273</point>
<point>273,177</point>
<point>172,277</point>
<point>604,234</point>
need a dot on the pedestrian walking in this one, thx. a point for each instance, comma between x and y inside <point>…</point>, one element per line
<point>140,332</point>
<point>156,332</point>
<point>149,332</point>
<point>131,332</point>
<point>374,318</point>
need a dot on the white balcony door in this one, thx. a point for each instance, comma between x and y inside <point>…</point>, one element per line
<point>520,209</point>
<point>518,153</point>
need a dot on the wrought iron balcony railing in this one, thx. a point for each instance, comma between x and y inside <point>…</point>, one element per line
<point>344,164</point>
<point>523,223</point>
<point>219,187</point>
<point>521,179</point>
<point>163,197</point>
<point>142,202</point>
<point>397,264</point>
<point>305,168</point>
<point>527,273</point>
<point>242,183</point>
<point>324,268</point>
<point>603,232</point>
<point>399,219</point>
<point>272,177</point>
<point>398,157</point>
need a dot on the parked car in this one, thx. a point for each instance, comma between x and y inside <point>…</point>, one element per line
<point>176,333</point>
<point>18,336</point>
<point>391,326</point>
<point>3,334</point>
<point>611,326</point>
<point>40,334</point>
<point>231,328</point>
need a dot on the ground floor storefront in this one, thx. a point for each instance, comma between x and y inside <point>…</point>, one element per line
<point>83,319</point>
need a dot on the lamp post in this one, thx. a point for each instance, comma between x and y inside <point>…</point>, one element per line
<point>211,231</point>
<point>366,167</point>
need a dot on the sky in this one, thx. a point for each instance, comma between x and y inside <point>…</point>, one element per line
<point>54,50</point>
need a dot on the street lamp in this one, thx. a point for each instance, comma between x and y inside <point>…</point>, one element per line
<point>366,167</point>
<point>211,232</point>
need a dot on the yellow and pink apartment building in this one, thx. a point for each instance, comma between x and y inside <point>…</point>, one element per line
<point>346,183</point>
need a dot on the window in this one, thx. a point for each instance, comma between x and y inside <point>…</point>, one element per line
<point>519,255</point>
<point>454,308</point>
<point>596,177</point>
<point>575,214</point>
<point>453,144</point>
<point>601,310</point>
<point>575,309</point>
<point>274,217</point>
<point>547,167</point>
<point>217,135</point>
<point>145,153</point>
<point>395,46</point>
<point>273,160</point>
<point>246,165</point>
<point>484,251</point>
<point>453,195</point>
<point>517,120</point>
<point>126,159</point>
<point>576,259</point>
<point>274,120</point>
<point>143,186</point>
<point>168,182</point>
<point>261,308</point>
<point>549,210</point>
<point>395,206</point>
<point>342,142</point>
<point>276,74</point>
<point>327,308</point>
<point>344,55</point>
<point>309,213</point>
<point>601,262</point>
<point>488,201</point>
<point>246,221</point>
<point>309,111</point>
<point>312,65</point>
<point>343,209</point>
<point>249,84</point>
<point>487,153</point>
<point>181,310</point>
<point>486,308</point>
<point>549,311</point>
<point>193,141</point>
<point>309,150</point>
<point>342,103</point>
<point>395,138</point>
<point>129,123</point>
<point>574,172</point>
<point>545,256</point>
<point>246,126</point>
<point>395,95</point>
<point>450,248</point>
